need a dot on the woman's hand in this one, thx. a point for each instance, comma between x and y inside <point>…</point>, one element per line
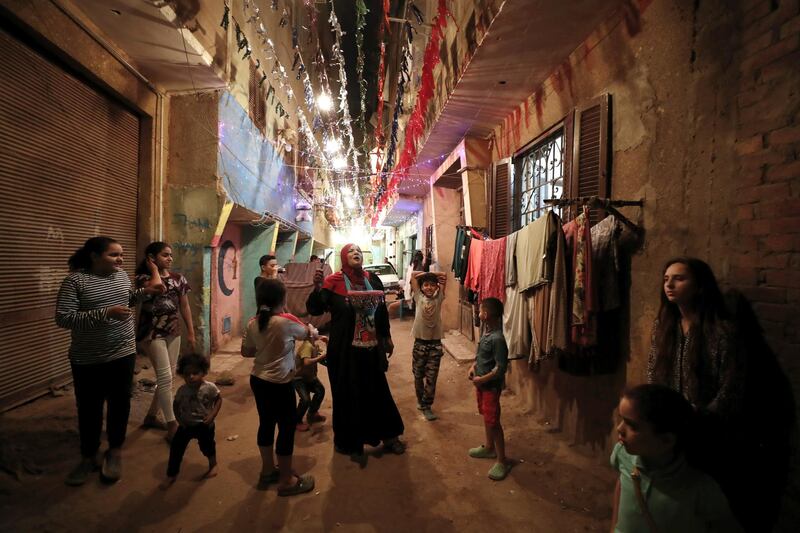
<point>119,312</point>
<point>318,278</point>
<point>151,265</point>
<point>388,346</point>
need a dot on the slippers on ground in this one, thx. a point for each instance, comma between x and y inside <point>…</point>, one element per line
<point>304,484</point>
<point>499,471</point>
<point>482,452</point>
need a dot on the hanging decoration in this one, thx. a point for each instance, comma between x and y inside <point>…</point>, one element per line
<point>416,122</point>
<point>361,14</point>
<point>226,17</point>
<point>381,75</point>
<point>402,78</point>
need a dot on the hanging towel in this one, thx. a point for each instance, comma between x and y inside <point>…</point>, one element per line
<point>493,269</point>
<point>531,252</point>
<point>472,278</point>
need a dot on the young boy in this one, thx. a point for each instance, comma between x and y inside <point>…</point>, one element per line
<point>656,489</point>
<point>196,405</point>
<point>309,388</point>
<point>427,290</point>
<point>488,375</point>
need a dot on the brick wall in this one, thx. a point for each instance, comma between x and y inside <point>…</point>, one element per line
<point>767,264</point>
<point>767,267</point>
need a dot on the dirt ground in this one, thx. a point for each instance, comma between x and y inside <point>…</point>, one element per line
<point>435,486</point>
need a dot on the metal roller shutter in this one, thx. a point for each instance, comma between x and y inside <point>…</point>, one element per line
<point>68,171</point>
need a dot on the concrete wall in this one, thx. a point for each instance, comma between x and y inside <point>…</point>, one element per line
<point>255,243</point>
<point>704,121</point>
<point>227,287</point>
<point>193,201</point>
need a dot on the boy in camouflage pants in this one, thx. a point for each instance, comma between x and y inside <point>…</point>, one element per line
<point>428,294</point>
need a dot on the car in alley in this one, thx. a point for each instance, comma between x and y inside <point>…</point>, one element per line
<point>388,276</point>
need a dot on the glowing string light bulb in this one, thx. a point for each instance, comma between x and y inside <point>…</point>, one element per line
<point>324,102</point>
<point>339,163</point>
<point>332,145</point>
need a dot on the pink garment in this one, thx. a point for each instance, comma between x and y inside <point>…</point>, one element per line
<point>493,270</point>
<point>582,289</point>
<point>472,279</point>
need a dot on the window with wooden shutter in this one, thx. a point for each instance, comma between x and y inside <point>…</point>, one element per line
<point>590,161</point>
<point>500,199</point>
<point>257,99</point>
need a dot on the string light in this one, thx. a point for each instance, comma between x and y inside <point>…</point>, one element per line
<point>324,102</point>
<point>332,145</point>
<point>339,163</point>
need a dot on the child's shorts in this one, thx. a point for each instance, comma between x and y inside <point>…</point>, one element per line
<point>489,405</point>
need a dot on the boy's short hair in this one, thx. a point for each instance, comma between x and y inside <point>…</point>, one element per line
<point>663,408</point>
<point>428,277</point>
<point>264,259</point>
<point>493,306</point>
<point>193,360</point>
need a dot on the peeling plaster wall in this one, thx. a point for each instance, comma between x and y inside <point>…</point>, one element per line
<point>193,200</point>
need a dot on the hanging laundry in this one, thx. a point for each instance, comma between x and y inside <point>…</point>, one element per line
<point>605,259</point>
<point>582,292</point>
<point>472,278</point>
<point>547,303</point>
<point>493,269</point>
<point>458,252</point>
<point>516,325</point>
<point>531,252</point>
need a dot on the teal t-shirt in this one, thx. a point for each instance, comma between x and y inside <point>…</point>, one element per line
<point>492,352</point>
<point>678,497</point>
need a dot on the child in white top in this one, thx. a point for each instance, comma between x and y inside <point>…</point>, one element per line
<point>270,338</point>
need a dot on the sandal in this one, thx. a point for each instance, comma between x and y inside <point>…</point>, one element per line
<point>265,480</point>
<point>394,446</point>
<point>499,471</point>
<point>304,484</point>
<point>482,452</point>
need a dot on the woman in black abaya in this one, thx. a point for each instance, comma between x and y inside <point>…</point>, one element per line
<point>364,411</point>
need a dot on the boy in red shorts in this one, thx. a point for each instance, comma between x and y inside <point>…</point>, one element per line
<point>488,375</point>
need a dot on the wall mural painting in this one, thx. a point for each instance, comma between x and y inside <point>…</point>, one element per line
<point>227,266</point>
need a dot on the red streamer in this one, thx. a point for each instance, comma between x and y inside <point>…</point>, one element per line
<point>416,121</point>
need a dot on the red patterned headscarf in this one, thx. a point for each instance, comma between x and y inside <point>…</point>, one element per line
<point>356,275</point>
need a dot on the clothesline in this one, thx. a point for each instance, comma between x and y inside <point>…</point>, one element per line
<point>605,204</point>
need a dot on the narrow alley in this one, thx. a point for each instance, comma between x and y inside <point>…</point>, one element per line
<point>573,225</point>
<point>435,486</point>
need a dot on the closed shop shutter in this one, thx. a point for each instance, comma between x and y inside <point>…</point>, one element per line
<point>68,171</point>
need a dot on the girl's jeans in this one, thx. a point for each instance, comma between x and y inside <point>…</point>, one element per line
<point>163,353</point>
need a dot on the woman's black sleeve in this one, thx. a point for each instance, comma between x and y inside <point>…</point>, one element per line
<point>317,302</point>
<point>382,313</point>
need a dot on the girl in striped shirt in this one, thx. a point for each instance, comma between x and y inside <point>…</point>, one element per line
<point>94,302</point>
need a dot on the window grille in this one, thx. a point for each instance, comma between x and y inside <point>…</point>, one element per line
<point>538,175</point>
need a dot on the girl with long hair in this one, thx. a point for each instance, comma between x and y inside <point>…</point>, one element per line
<point>694,347</point>
<point>159,331</point>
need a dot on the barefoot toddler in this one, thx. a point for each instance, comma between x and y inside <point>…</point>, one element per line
<point>196,406</point>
